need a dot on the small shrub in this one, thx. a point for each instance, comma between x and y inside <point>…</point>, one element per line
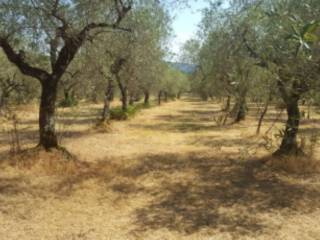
<point>68,102</point>
<point>118,113</point>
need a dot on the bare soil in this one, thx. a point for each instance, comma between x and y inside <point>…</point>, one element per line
<point>169,173</point>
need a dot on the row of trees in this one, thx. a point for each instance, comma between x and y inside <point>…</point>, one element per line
<point>84,49</point>
<point>262,51</point>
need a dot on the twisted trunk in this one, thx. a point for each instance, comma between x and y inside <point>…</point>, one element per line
<point>165,96</point>
<point>240,109</point>
<point>115,70</point>
<point>108,97</point>
<point>124,97</point>
<point>263,113</point>
<point>146,97</point>
<point>48,137</point>
<point>228,103</point>
<point>289,143</point>
<point>159,97</point>
<point>131,99</point>
<point>2,100</point>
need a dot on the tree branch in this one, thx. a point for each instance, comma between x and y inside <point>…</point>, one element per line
<point>253,53</point>
<point>18,60</point>
<point>73,44</point>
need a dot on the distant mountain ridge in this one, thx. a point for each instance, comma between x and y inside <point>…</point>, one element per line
<point>183,67</point>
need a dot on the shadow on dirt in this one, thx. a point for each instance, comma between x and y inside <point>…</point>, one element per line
<point>223,194</point>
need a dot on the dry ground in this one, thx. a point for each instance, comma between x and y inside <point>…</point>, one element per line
<point>169,173</point>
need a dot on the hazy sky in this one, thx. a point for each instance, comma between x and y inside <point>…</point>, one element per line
<point>185,23</point>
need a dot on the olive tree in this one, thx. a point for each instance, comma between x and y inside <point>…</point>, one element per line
<point>55,30</point>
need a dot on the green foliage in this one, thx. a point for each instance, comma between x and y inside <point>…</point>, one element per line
<point>68,102</point>
<point>117,113</point>
<point>174,81</point>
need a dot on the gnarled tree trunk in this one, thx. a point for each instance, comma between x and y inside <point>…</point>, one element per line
<point>166,96</point>
<point>263,113</point>
<point>108,97</point>
<point>228,103</point>
<point>115,70</point>
<point>124,99</point>
<point>159,97</point>
<point>179,94</point>
<point>291,98</point>
<point>239,110</point>
<point>146,97</point>
<point>289,143</point>
<point>2,100</point>
<point>48,137</point>
<point>131,99</point>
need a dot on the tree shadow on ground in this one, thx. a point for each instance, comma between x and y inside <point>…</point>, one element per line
<point>186,121</point>
<point>10,188</point>
<point>30,136</point>
<point>190,116</point>
<point>309,131</point>
<point>223,194</point>
<point>236,142</point>
<point>180,127</point>
<point>190,192</point>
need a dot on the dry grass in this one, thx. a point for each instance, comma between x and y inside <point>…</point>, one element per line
<point>294,164</point>
<point>41,162</point>
<point>169,173</point>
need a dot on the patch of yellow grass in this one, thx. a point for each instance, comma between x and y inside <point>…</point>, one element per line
<point>42,162</point>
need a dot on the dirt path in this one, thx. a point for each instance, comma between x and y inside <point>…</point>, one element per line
<point>169,173</point>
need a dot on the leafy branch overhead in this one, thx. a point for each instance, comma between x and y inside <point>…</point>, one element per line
<point>68,38</point>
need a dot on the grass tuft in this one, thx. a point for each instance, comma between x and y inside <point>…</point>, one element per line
<point>118,113</point>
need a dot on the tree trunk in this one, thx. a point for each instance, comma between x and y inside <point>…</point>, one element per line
<point>4,97</point>
<point>124,98</point>
<point>227,106</point>
<point>123,89</point>
<point>289,141</point>
<point>94,96</point>
<point>241,113</point>
<point>165,96</point>
<point>159,97</point>
<point>67,98</point>
<point>146,97</point>
<point>2,100</point>
<point>48,137</point>
<point>309,110</point>
<point>66,95</point>
<point>108,97</point>
<point>106,109</point>
<point>240,109</point>
<point>265,110</point>
<point>131,100</point>
<point>179,95</point>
